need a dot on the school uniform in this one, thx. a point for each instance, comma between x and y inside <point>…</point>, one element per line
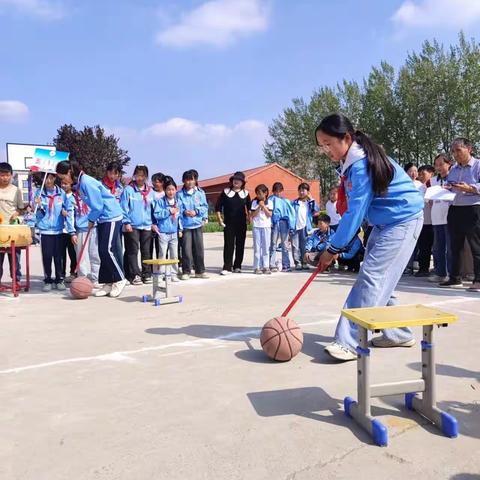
<point>116,189</point>
<point>155,238</point>
<point>353,255</point>
<point>138,206</point>
<point>67,245</point>
<point>283,221</point>
<point>262,232</point>
<point>192,240</point>
<point>304,212</point>
<point>234,206</point>
<point>51,222</point>
<point>105,211</point>
<point>397,219</point>
<point>331,209</point>
<point>168,225</point>
<point>316,244</point>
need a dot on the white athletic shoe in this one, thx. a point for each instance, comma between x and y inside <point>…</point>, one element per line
<point>225,272</point>
<point>104,291</point>
<point>383,342</point>
<point>117,288</point>
<point>340,352</point>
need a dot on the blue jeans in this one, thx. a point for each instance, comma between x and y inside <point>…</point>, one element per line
<point>18,272</point>
<point>279,232</point>
<point>299,239</point>
<point>261,247</point>
<point>168,243</point>
<point>388,250</point>
<point>442,254</point>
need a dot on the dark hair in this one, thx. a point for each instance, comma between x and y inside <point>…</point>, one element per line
<point>69,165</point>
<point>446,158</point>
<point>427,168</point>
<point>159,176</point>
<point>332,188</point>
<point>141,168</point>
<point>277,187</point>
<point>5,168</point>
<point>195,176</point>
<point>188,175</point>
<point>114,167</point>
<point>262,188</point>
<point>37,178</point>
<point>408,166</point>
<point>167,181</point>
<point>323,217</point>
<point>379,167</point>
<point>304,186</point>
<point>464,142</point>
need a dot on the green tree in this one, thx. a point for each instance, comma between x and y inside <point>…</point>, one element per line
<point>91,147</point>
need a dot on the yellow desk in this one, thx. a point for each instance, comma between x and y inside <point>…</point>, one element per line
<point>162,272</point>
<point>377,319</point>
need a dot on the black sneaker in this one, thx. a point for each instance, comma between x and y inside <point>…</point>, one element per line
<point>421,273</point>
<point>451,283</point>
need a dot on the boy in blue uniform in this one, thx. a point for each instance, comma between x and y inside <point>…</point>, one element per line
<point>317,242</point>
<point>352,256</point>
<point>306,209</point>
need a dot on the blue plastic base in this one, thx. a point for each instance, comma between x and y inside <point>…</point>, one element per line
<point>409,400</point>
<point>347,403</point>
<point>449,425</point>
<point>180,299</point>
<point>157,302</point>
<point>379,433</point>
<point>145,299</point>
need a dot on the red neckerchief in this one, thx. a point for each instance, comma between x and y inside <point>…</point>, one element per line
<point>342,203</point>
<point>174,215</point>
<point>111,184</point>
<point>144,192</point>
<point>51,200</point>
<point>83,208</point>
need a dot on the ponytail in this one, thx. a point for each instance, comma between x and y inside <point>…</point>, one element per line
<point>69,165</point>
<point>379,167</point>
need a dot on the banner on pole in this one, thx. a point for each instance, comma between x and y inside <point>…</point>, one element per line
<point>46,160</point>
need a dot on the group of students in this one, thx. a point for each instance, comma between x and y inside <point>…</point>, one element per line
<point>276,223</point>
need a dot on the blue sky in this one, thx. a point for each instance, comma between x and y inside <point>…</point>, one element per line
<point>195,83</point>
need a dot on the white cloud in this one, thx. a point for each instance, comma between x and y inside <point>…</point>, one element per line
<point>437,13</point>
<point>13,111</point>
<point>217,22</point>
<point>46,9</point>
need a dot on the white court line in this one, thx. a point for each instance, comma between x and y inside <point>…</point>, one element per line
<point>124,356</point>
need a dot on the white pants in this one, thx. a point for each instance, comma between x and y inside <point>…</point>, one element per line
<point>90,262</point>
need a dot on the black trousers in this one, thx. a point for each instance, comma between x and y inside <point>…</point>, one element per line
<point>353,264</point>
<point>425,246</point>
<point>67,246</point>
<point>234,241</point>
<point>51,246</point>
<point>193,251</point>
<point>110,269</point>
<point>135,241</point>
<point>464,223</point>
<point>155,245</point>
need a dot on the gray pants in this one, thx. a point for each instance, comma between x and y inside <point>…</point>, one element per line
<point>193,251</point>
<point>168,245</point>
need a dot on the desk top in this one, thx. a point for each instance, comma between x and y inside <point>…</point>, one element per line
<point>157,261</point>
<point>379,318</point>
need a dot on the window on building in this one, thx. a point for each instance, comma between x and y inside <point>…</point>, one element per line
<point>25,183</point>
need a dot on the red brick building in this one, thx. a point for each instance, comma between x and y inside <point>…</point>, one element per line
<point>267,174</point>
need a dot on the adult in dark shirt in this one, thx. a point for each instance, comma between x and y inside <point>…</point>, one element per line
<point>232,210</point>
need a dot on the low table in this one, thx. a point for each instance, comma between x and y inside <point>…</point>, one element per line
<point>16,287</point>
<point>377,319</point>
<point>162,275</point>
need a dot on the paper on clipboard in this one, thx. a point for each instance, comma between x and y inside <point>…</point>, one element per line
<point>439,193</point>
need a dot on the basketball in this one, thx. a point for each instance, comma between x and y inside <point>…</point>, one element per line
<point>81,287</point>
<point>281,339</point>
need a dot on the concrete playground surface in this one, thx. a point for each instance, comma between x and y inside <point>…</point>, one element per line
<point>116,389</point>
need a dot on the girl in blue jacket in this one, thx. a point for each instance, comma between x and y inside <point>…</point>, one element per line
<point>374,187</point>
<point>105,211</point>
<point>138,201</point>
<point>54,213</point>
<point>169,225</point>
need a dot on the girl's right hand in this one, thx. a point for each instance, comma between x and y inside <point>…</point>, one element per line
<point>38,201</point>
<point>128,228</point>
<point>74,240</point>
<point>174,210</point>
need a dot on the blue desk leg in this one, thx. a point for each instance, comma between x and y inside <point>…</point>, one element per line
<point>427,405</point>
<point>360,410</point>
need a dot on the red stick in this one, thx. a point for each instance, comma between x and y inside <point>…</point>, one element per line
<point>318,270</point>
<point>85,242</point>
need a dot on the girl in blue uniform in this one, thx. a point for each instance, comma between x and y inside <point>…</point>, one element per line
<point>374,187</point>
<point>106,212</point>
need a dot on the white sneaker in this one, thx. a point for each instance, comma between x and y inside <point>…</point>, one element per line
<point>185,276</point>
<point>340,352</point>
<point>225,272</point>
<point>137,281</point>
<point>60,286</point>
<point>104,291</point>
<point>117,288</point>
<point>47,287</point>
<point>97,285</point>
<point>175,278</point>
<point>383,342</point>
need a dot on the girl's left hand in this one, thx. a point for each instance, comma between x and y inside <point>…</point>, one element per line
<point>180,234</point>
<point>74,240</point>
<point>64,212</point>
<point>326,258</point>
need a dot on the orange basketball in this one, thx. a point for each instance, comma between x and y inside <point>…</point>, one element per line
<point>81,287</point>
<point>281,339</point>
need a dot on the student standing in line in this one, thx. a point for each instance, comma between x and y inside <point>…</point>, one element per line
<point>67,245</point>
<point>306,209</point>
<point>261,213</point>
<point>54,213</point>
<point>106,212</point>
<point>158,181</point>
<point>232,210</point>
<point>194,209</point>
<point>138,203</point>
<point>331,207</point>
